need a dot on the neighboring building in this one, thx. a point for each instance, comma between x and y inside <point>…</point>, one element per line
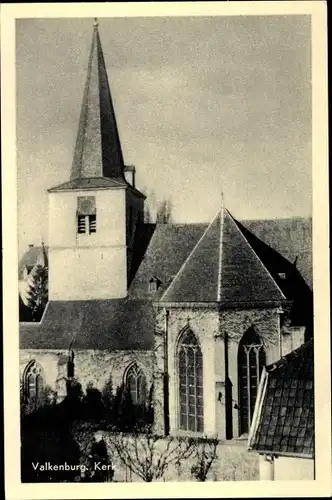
<point>34,257</point>
<point>282,430</point>
<point>197,310</point>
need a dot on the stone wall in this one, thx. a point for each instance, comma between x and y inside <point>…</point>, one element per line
<point>234,323</point>
<point>211,327</point>
<point>90,367</point>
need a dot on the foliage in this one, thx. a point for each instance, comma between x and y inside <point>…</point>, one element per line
<point>24,312</point>
<point>107,397</point>
<point>205,454</point>
<point>148,455</point>
<point>47,398</point>
<point>38,292</point>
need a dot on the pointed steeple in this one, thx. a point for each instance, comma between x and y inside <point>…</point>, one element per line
<point>98,149</point>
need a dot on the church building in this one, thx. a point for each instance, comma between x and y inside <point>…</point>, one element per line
<point>193,310</point>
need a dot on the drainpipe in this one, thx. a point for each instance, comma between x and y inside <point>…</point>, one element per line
<point>280,312</point>
<point>166,376</point>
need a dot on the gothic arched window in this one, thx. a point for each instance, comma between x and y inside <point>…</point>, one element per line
<point>190,364</point>
<point>136,384</point>
<point>33,381</point>
<point>251,359</point>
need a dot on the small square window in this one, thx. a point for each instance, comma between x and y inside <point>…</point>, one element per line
<point>154,284</point>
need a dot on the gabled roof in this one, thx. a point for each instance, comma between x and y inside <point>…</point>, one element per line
<point>223,268</point>
<point>92,324</point>
<point>283,421</point>
<point>98,150</point>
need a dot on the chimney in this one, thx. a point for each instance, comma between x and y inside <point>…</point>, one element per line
<point>129,173</point>
<point>31,246</point>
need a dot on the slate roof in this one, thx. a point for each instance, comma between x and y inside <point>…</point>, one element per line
<point>166,248</point>
<point>93,324</point>
<point>91,183</point>
<point>223,268</point>
<point>291,237</point>
<point>98,150</point>
<point>283,421</point>
<point>161,250</point>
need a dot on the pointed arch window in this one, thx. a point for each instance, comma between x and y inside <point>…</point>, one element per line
<point>190,364</point>
<point>251,359</point>
<point>33,381</point>
<point>136,384</point>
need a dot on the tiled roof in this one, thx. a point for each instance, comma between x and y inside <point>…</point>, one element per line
<point>223,268</point>
<point>94,324</point>
<point>283,422</point>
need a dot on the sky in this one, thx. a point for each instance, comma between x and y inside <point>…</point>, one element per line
<point>204,105</point>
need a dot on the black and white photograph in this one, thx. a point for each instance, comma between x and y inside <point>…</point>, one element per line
<point>165,284</point>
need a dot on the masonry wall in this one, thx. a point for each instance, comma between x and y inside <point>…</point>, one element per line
<point>220,360</point>
<point>87,266</point>
<point>233,324</point>
<point>204,323</point>
<point>90,367</point>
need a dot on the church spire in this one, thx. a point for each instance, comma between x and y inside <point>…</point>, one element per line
<point>98,150</point>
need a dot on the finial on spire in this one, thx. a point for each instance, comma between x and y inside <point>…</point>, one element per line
<point>222,200</point>
<point>95,23</point>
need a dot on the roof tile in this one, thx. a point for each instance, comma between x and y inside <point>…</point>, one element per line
<point>293,427</point>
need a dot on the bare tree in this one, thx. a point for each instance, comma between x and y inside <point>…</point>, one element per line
<point>205,454</point>
<point>149,456</point>
<point>159,212</point>
<point>164,212</point>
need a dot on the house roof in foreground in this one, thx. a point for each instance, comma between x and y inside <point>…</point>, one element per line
<point>283,421</point>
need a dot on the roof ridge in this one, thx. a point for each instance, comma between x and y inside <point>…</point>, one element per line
<point>188,258</point>
<point>222,214</point>
<point>257,256</point>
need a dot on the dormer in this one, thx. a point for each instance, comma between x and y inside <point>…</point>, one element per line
<point>154,284</point>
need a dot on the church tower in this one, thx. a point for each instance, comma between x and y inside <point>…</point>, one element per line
<point>93,216</point>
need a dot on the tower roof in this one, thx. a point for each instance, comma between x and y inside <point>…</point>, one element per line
<point>223,268</point>
<point>98,153</point>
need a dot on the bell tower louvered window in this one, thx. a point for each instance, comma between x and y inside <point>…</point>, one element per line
<point>251,359</point>
<point>190,365</point>
<point>86,215</point>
